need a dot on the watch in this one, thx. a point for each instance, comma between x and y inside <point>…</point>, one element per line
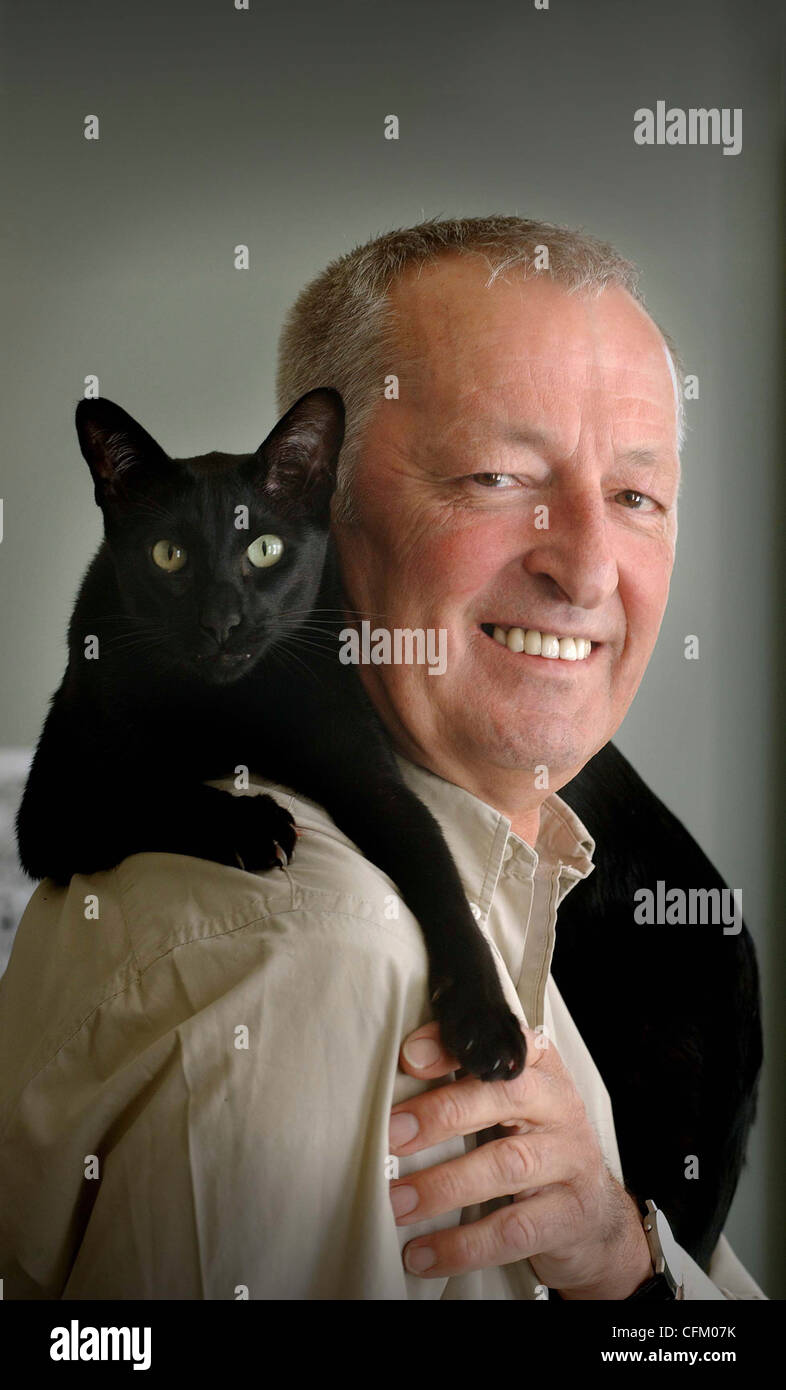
<point>667,1281</point>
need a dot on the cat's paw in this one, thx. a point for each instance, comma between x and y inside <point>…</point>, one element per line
<point>481,1033</point>
<point>263,834</point>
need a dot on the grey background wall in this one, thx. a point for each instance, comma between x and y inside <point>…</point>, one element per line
<point>265,127</point>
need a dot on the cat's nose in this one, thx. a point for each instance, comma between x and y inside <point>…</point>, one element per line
<point>220,627</point>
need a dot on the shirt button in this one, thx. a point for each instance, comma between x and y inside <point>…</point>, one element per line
<point>475,910</point>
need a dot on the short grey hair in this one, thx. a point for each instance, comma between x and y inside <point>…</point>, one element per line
<point>340,331</point>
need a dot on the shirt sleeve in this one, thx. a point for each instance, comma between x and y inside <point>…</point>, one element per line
<point>252,1163</point>
<point>726,1277</point>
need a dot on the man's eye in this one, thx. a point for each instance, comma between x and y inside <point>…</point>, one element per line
<point>489,479</point>
<point>638,498</point>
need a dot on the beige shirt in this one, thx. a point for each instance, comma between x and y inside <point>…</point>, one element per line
<point>195,1085</point>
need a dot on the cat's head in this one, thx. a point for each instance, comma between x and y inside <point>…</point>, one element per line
<point>219,556</point>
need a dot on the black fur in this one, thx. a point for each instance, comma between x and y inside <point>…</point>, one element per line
<point>221,664</point>
<point>670,1014</point>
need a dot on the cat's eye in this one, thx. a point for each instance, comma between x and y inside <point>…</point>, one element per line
<point>265,550</point>
<point>169,556</point>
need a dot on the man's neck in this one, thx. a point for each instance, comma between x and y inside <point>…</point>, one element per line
<point>523,814</point>
<point>527,827</point>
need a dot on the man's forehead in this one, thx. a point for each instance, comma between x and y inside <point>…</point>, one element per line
<point>450,307</point>
<point>459,336</point>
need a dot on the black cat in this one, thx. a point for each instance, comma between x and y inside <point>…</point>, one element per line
<point>205,636</point>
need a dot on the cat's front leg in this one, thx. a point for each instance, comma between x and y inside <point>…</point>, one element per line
<point>96,832</point>
<point>395,830</point>
<point>204,822</point>
<point>476,1023</point>
<point>254,830</point>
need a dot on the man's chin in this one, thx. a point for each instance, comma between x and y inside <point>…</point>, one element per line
<point>556,752</point>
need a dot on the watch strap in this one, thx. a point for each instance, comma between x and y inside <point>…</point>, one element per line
<point>657,1289</point>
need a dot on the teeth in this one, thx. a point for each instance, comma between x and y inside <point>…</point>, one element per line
<point>535,643</point>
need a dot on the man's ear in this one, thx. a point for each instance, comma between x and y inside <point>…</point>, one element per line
<point>296,464</point>
<point>121,454</point>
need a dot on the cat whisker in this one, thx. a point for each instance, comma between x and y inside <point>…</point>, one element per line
<point>141,649</point>
<point>132,621</point>
<point>308,642</point>
<point>329,630</point>
<point>142,644</point>
<point>121,618</point>
<point>129,642</point>
<point>358,612</point>
<point>329,640</point>
<point>309,630</point>
<point>139,625</point>
<point>282,651</point>
<point>291,648</point>
<point>118,636</point>
<point>327,623</point>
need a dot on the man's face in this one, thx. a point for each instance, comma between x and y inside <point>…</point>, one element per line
<point>515,397</point>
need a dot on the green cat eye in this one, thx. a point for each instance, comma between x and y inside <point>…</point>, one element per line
<point>265,550</point>
<point>168,556</point>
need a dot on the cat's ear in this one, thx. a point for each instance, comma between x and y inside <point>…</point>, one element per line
<point>121,455</point>
<point>296,464</point>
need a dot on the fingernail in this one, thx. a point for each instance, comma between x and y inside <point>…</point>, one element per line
<point>418,1258</point>
<point>402,1129</point>
<point>403,1200</point>
<point>422,1052</point>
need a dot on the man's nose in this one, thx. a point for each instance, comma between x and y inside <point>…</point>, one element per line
<point>576,550</point>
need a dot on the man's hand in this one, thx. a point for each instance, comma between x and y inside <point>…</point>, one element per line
<point>580,1230</point>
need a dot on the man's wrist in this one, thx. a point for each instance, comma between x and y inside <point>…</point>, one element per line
<point>620,1286</point>
<point>632,1267</point>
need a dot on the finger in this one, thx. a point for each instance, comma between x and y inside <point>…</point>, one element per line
<point>515,1232</point>
<point>506,1167</point>
<point>424,1054</point>
<point>470,1105</point>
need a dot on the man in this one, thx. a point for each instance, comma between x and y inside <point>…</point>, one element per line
<point>208,1116</point>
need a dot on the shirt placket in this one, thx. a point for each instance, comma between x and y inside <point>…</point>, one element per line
<point>538,943</point>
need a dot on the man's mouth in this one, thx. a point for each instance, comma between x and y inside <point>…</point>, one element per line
<point>534,642</point>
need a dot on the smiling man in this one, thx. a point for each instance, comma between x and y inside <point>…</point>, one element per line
<point>514,484</point>
<point>521,493</point>
<point>211,1115</point>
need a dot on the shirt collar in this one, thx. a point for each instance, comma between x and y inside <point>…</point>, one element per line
<point>480,837</point>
